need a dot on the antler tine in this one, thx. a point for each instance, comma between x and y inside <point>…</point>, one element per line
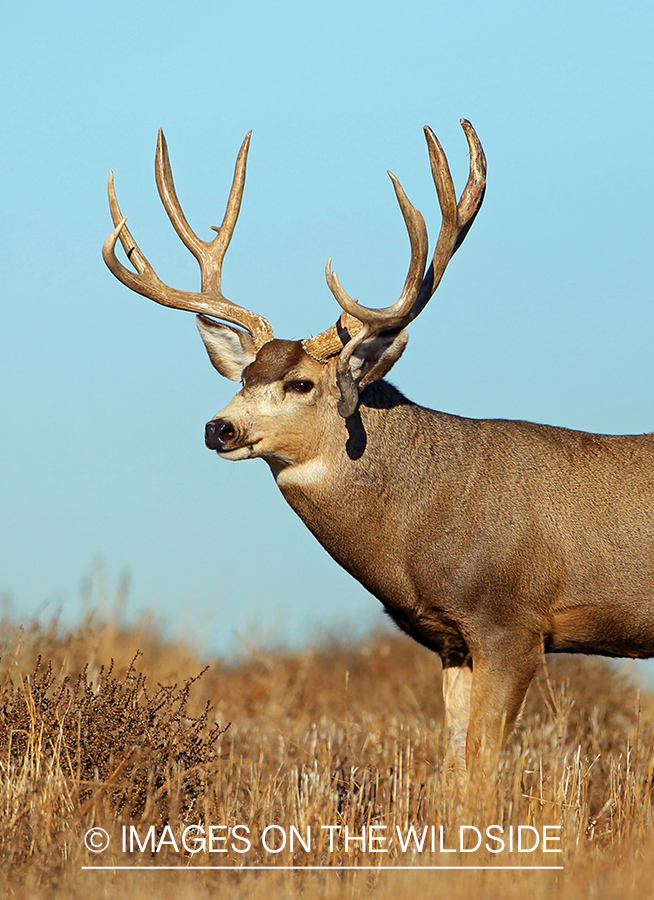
<point>457,218</point>
<point>375,320</point>
<point>473,193</point>
<point>209,254</point>
<point>390,315</point>
<point>144,280</point>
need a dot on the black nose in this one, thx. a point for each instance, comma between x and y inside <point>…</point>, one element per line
<point>218,433</point>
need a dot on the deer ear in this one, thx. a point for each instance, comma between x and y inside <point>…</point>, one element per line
<point>375,357</point>
<point>230,350</point>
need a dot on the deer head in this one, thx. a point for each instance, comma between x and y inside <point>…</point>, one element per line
<point>293,389</point>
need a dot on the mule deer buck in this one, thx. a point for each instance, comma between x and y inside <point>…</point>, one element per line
<point>488,541</point>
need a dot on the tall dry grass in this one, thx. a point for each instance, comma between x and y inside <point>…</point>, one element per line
<point>112,726</point>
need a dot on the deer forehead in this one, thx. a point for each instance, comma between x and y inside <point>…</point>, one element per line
<point>277,360</point>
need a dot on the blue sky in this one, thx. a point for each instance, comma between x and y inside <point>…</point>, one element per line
<point>546,313</point>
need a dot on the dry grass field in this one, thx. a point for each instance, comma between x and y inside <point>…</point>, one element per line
<point>112,727</point>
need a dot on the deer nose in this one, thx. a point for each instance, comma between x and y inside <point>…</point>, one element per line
<point>218,433</point>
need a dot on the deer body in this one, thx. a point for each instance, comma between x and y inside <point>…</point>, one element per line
<point>477,532</point>
<point>488,541</point>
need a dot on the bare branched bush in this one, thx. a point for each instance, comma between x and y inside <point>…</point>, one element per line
<point>107,740</point>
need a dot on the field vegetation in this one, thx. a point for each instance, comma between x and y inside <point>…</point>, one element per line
<point>114,727</point>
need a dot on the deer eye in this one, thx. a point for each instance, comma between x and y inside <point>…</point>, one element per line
<point>301,386</point>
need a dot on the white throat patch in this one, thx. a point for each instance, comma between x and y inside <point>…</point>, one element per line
<point>304,474</point>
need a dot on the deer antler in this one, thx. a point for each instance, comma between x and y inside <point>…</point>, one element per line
<point>419,286</point>
<point>209,254</point>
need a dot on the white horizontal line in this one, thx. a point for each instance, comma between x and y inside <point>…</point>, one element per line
<point>192,868</point>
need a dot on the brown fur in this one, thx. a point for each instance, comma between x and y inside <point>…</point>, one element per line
<point>488,541</point>
<point>273,361</point>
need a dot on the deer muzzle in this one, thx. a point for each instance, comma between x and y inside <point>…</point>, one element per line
<point>220,435</point>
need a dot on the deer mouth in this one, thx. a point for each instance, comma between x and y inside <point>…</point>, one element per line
<point>223,437</point>
<point>234,453</point>
<point>239,451</point>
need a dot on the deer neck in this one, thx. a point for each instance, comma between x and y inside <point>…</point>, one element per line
<point>358,492</point>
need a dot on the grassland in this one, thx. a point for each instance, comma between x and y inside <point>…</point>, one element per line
<point>112,726</point>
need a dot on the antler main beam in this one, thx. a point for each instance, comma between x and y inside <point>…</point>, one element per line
<point>209,254</point>
<point>419,286</point>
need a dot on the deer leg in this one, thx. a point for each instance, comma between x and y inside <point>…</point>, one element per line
<point>499,687</point>
<point>457,686</point>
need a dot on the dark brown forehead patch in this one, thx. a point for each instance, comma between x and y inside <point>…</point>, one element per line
<point>273,361</point>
